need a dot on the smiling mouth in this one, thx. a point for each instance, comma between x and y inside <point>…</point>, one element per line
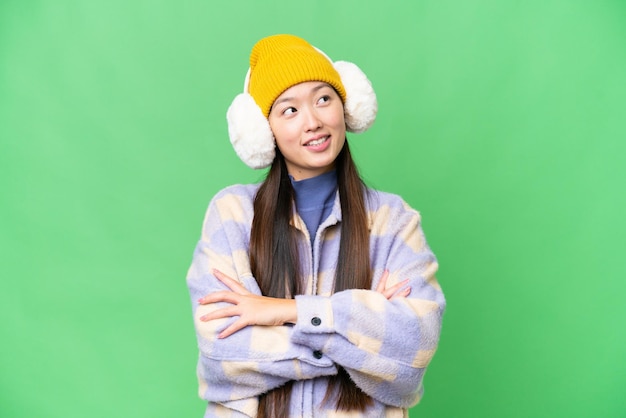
<point>317,142</point>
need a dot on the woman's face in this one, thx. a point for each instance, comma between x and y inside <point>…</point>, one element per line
<point>308,124</point>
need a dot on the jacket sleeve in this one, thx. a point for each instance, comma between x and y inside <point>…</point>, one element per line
<point>385,345</point>
<point>256,358</point>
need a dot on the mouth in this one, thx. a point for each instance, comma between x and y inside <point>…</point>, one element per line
<point>317,141</point>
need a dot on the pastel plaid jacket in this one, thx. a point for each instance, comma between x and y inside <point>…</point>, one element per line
<point>385,345</point>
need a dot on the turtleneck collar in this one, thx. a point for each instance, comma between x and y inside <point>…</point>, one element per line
<point>314,192</point>
<point>315,197</point>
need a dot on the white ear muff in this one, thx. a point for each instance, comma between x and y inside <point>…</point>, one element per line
<point>249,130</point>
<point>361,105</point>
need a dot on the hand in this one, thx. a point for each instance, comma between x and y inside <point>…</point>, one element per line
<point>250,308</point>
<point>394,291</point>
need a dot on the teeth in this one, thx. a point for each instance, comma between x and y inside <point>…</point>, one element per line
<point>317,141</point>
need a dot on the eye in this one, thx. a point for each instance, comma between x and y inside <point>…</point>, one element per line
<point>289,111</point>
<point>323,99</point>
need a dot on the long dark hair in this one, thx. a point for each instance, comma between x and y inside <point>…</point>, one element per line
<point>274,262</point>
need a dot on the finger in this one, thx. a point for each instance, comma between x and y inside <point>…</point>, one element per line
<point>227,312</point>
<point>383,282</point>
<point>389,292</point>
<point>233,284</point>
<point>232,328</point>
<point>221,296</point>
<point>402,293</point>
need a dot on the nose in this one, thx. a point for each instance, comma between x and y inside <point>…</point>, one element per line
<point>312,120</point>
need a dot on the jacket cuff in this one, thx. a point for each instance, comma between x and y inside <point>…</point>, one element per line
<point>315,322</point>
<point>315,315</point>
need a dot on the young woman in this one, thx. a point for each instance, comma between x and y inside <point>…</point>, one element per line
<point>313,295</point>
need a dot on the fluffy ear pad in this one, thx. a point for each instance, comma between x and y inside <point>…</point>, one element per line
<point>252,137</point>
<point>361,105</point>
<point>250,132</point>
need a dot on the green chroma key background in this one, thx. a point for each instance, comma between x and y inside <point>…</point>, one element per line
<point>501,121</point>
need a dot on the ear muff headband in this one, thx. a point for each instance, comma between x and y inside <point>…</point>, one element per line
<point>250,132</point>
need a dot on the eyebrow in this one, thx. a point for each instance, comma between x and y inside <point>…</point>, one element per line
<point>314,89</point>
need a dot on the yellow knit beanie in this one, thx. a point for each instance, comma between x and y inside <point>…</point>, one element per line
<point>281,61</point>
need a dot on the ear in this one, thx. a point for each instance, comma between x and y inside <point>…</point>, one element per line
<point>250,132</point>
<point>361,105</point>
